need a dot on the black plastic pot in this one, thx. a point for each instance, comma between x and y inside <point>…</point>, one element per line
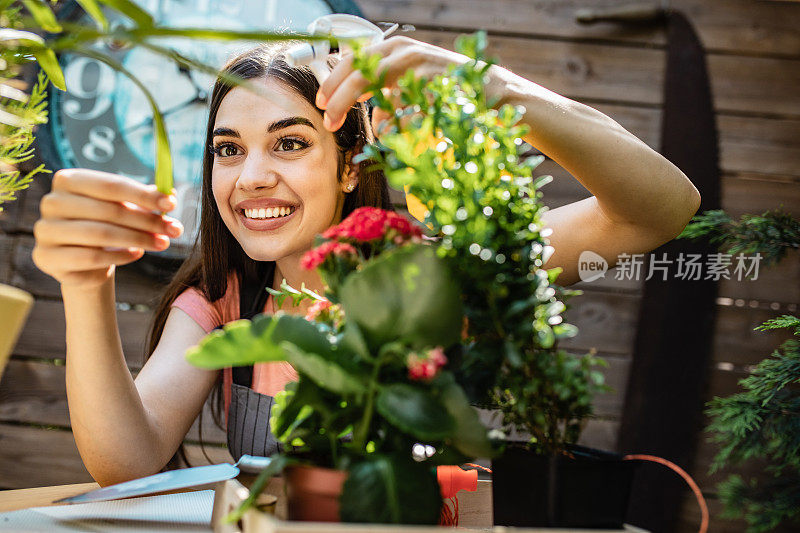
<point>590,489</point>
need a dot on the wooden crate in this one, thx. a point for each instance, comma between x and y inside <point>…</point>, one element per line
<point>475,514</point>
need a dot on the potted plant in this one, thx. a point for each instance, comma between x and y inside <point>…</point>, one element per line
<point>376,408</point>
<point>462,159</point>
<point>760,423</point>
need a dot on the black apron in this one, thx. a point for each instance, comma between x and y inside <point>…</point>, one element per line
<point>249,411</point>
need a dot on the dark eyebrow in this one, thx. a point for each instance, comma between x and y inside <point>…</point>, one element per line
<point>275,126</point>
<point>225,132</point>
<point>291,121</point>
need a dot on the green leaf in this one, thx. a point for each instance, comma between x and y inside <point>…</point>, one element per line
<point>46,57</point>
<point>244,342</point>
<point>469,436</point>
<point>163,175</point>
<point>293,406</point>
<point>43,15</point>
<point>407,294</point>
<point>94,11</point>
<point>353,340</point>
<point>49,63</point>
<point>131,10</point>
<point>274,468</point>
<point>325,372</point>
<point>390,490</point>
<point>415,411</point>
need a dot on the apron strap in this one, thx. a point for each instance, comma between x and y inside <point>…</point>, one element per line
<point>252,299</point>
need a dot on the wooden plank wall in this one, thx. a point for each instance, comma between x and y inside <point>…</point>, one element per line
<point>754,62</point>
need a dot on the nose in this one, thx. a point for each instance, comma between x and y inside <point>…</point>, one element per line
<point>256,174</point>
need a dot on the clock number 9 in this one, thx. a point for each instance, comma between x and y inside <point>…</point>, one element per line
<point>100,148</point>
<point>77,75</point>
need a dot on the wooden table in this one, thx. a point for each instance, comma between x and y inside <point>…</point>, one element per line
<point>14,500</point>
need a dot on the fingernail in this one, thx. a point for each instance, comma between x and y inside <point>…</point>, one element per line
<point>167,203</point>
<point>175,228</point>
<point>162,242</point>
<point>321,100</point>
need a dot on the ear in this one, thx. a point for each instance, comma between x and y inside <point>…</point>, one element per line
<point>350,180</point>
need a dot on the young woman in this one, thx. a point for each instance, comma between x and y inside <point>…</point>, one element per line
<point>274,177</point>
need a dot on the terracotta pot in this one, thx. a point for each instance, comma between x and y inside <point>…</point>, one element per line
<point>14,306</point>
<point>313,493</point>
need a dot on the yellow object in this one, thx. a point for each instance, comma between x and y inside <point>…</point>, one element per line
<point>14,307</point>
<point>415,206</point>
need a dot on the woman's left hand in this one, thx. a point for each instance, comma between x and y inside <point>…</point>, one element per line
<point>345,86</point>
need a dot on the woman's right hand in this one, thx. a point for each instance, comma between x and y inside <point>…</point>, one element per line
<point>91,221</point>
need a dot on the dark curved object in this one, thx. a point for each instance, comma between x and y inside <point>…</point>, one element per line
<point>672,352</point>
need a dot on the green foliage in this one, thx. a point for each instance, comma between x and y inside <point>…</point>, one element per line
<point>354,383</point>
<point>16,140</point>
<point>410,492</point>
<point>422,308</point>
<point>761,424</point>
<point>772,234</point>
<point>245,342</point>
<point>462,158</point>
<point>19,43</point>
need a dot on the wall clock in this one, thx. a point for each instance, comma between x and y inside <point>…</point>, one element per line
<point>104,122</point>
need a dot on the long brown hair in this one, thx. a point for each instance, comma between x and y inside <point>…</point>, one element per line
<point>216,253</point>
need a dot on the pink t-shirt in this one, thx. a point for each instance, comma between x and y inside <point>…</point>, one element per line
<point>268,378</point>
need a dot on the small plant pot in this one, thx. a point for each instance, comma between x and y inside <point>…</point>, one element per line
<point>313,493</point>
<point>591,489</point>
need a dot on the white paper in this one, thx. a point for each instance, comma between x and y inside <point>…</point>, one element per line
<point>186,512</point>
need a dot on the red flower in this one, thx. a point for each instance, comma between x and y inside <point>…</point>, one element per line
<point>316,308</point>
<point>313,258</point>
<point>402,225</point>
<point>425,367</point>
<point>367,224</point>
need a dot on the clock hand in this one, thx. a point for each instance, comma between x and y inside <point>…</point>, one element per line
<point>197,99</point>
<point>183,69</point>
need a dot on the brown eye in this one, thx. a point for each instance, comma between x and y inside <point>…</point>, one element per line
<point>291,145</point>
<point>226,150</point>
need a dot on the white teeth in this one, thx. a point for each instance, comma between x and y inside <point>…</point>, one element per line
<point>269,212</point>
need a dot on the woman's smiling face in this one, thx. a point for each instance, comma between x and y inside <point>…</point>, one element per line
<point>274,176</point>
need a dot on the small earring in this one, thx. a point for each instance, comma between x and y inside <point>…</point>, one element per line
<point>350,186</point>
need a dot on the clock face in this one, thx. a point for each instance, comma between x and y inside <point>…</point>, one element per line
<point>104,121</point>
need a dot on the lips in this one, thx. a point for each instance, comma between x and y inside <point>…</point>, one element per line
<point>265,214</point>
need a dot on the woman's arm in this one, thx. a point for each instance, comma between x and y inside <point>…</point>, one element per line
<point>126,429</point>
<point>90,223</point>
<point>640,200</point>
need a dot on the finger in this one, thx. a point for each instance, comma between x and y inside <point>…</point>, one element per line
<point>342,100</point>
<point>380,122</point>
<point>95,234</point>
<point>344,68</point>
<point>351,89</point>
<point>112,188</point>
<point>79,258</point>
<point>68,206</point>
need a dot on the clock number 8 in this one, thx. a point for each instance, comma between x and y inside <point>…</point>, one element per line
<point>100,148</point>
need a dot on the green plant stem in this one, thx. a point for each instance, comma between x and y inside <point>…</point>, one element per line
<point>497,323</point>
<point>360,437</point>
